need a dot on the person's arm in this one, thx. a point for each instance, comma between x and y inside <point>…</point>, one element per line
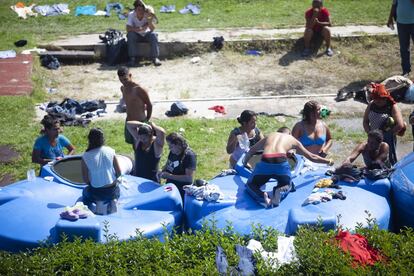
<point>150,20</point>
<point>397,116</point>
<point>187,177</point>
<point>258,146</point>
<point>383,154</point>
<point>232,142</point>
<point>365,121</point>
<point>324,23</point>
<point>297,131</point>
<point>145,98</point>
<point>159,140</point>
<point>36,157</point>
<point>355,153</point>
<point>391,16</point>
<point>310,20</point>
<point>312,157</point>
<point>117,167</point>
<point>71,149</point>
<point>132,127</point>
<point>85,173</point>
<point>328,144</point>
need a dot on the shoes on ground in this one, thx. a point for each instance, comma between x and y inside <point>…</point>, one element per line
<point>329,52</point>
<point>156,62</point>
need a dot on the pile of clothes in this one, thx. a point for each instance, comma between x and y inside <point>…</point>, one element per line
<point>73,113</point>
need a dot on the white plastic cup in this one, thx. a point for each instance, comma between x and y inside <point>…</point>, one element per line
<point>31,175</point>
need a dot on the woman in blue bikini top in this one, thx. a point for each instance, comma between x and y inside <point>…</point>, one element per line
<point>312,132</point>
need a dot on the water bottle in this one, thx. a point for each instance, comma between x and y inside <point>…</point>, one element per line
<point>253,52</point>
<point>244,142</point>
<point>31,175</point>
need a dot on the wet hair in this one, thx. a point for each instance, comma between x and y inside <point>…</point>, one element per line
<point>96,139</point>
<point>145,130</point>
<point>123,71</point>
<point>308,109</point>
<point>284,129</point>
<point>139,3</point>
<point>377,135</point>
<point>49,122</point>
<point>246,116</point>
<point>177,139</point>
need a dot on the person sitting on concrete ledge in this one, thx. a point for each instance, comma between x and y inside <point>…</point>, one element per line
<point>140,28</point>
<point>317,22</point>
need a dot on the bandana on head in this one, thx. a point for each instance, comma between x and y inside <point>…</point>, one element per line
<point>379,92</point>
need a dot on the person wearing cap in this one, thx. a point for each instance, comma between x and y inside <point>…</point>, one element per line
<point>383,113</point>
<point>140,28</point>
<point>149,140</point>
<point>318,21</point>
<point>402,11</point>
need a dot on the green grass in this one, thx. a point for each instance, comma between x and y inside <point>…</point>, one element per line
<point>214,14</point>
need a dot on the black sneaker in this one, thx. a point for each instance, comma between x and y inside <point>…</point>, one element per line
<point>156,62</point>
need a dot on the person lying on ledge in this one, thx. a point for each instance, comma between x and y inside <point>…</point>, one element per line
<point>274,164</point>
<point>374,152</point>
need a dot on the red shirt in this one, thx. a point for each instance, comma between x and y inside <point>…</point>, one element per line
<point>323,16</point>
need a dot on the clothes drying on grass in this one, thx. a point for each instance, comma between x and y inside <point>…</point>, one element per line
<point>117,7</point>
<point>53,10</point>
<point>23,11</point>
<point>191,8</point>
<point>85,10</point>
<point>167,9</point>
<point>8,54</point>
<point>358,247</point>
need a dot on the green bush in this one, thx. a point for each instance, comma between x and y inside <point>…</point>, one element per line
<point>194,253</point>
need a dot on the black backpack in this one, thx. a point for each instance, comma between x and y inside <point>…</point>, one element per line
<point>116,47</point>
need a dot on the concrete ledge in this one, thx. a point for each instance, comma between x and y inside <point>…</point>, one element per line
<point>66,54</point>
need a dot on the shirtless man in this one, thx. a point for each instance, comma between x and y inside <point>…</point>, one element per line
<point>274,164</point>
<point>138,104</point>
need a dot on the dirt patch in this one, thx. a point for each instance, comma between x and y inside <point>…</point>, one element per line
<point>234,74</point>
<point>8,154</point>
<point>6,180</point>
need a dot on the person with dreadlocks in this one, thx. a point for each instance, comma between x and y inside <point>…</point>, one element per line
<point>100,170</point>
<point>383,113</point>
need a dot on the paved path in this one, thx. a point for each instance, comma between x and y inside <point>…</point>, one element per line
<point>239,34</point>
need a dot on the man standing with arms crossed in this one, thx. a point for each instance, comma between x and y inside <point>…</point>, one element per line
<point>138,104</point>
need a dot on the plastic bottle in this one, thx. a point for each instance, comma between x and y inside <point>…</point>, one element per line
<point>253,52</point>
<point>244,142</point>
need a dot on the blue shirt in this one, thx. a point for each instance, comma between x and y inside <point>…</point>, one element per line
<point>405,12</point>
<point>46,149</point>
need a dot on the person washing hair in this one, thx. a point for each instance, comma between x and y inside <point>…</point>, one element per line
<point>100,170</point>
<point>149,143</point>
<point>243,137</point>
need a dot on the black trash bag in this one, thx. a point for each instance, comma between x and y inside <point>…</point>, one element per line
<point>116,47</point>
<point>348,173</point>
<point>50,62</point>
<point>218,42</point>
<point>177,109</point>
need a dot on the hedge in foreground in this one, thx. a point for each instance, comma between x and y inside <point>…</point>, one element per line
<point>191,254</point>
